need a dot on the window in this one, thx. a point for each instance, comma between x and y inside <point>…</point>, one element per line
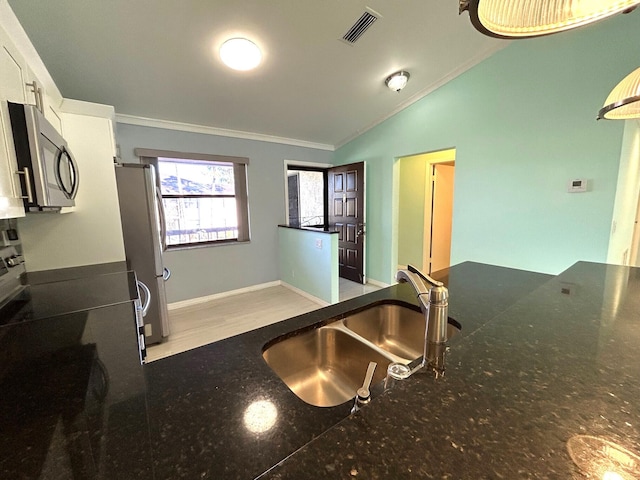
<point>307,196</point>
<point>204,197</point>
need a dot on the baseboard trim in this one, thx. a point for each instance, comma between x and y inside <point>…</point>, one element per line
<point>376,283</point>
<point>307,295</point>
<point>216,296</point>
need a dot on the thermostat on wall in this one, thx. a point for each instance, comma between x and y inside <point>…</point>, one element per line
<point>577,185</point>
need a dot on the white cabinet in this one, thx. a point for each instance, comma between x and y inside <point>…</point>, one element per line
<point>12,88</point>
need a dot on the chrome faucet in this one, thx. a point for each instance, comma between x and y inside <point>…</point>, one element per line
<point>433,297</point>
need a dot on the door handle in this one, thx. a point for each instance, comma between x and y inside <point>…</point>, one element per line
<point>27,184</point>
<point>166,274</point>
<point>163,225</point>
<point>147,299</point>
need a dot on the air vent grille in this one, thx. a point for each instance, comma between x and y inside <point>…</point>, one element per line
<point>358,28</point>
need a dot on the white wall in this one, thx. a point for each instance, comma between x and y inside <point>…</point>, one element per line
<point>91,233</point>
<point>627,192</point>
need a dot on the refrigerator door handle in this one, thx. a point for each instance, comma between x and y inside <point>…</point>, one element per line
<point>166,274</point>
<point>163,226</point>
<point>147,298</point>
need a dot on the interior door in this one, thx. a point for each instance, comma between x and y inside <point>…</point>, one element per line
<point>346,216</point>
<point>441,215</point>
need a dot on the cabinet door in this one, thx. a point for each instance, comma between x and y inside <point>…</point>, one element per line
<point>11,204</point>
<point>12,74</point>
<point>12,88</point>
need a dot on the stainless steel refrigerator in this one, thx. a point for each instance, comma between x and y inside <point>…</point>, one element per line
<point>143,229</point>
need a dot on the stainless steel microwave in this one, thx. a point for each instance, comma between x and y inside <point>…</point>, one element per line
<point>48,171</point>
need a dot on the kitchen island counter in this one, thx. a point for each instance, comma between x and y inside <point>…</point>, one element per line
<point>543,365</point>
<point>219,411</point>
<point>546,389</point>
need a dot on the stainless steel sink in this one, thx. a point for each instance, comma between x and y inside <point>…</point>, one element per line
<point>394,328</point>
<point>325,366</point>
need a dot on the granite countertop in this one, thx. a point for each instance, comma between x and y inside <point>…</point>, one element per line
<point>556,376</point>
<point>73,394</point>
<point>541,362</point>
<point>200,401</point>
<point>59,292</point>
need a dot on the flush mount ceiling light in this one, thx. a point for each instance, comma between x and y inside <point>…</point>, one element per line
<point>240,54</point>
<point>397,81</point>
<point>624,100</point>
<point>532,18</point>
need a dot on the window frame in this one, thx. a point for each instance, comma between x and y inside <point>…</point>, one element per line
<point>309,167</point>
<point>240,173</point>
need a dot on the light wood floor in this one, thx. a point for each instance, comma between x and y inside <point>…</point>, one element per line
<point>205,323</point>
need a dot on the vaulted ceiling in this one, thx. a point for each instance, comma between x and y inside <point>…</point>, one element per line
<point>158,59</point>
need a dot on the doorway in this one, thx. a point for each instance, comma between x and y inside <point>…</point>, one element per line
<point>332,198</point>
<point>425,210</point>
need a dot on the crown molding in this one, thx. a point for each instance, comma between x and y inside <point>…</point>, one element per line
<point>427,90</point>
<point>91,109</point>
<point>223,132</point>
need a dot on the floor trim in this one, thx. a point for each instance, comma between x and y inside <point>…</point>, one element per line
<point>216,296</point>
<point>317,300</point>
<point>376,283</point>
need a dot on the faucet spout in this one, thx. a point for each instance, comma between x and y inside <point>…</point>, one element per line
<point>433,297</point>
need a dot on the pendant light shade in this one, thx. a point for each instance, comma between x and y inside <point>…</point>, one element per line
<point>532,18</point>
<point>624,100</point>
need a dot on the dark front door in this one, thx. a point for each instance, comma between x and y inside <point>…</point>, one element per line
<point>346,216</point>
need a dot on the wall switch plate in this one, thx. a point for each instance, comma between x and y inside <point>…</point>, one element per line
<point>319,243</point>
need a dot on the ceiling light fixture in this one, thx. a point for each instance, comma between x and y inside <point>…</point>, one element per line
<point>533,18</point>
<point>624,100</point>
<point>397,81</point>
<point>240,54</point>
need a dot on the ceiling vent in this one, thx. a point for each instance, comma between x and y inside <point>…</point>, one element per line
<point>361,26</point>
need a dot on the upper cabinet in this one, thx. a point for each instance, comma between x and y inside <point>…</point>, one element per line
<point>18,84</point>
<point>12,88</point>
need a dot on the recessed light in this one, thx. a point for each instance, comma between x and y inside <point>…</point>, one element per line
<point>240,54</point>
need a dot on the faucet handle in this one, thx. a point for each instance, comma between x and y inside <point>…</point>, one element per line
<point>363,394</point>
<point>424,276</point>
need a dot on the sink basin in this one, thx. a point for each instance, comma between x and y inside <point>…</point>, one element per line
<point>395,328</point>
<point>325,366</point>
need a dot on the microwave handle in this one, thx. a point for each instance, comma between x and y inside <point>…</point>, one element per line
<point>74,170</point>
<point>27,183</point>
<point>72,164</point>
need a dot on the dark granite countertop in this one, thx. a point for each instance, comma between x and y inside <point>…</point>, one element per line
<point>58,292</point>
<point>541,361</point>
<point>559,367</point>
<point>201,401</point>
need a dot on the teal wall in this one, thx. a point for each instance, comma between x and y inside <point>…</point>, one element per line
<point>306,265</point>
<point>523,125</point>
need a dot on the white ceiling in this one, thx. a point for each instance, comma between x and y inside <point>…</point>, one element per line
<point>158,59</point>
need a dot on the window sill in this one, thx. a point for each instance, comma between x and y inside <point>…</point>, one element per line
<point>194,246</point>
